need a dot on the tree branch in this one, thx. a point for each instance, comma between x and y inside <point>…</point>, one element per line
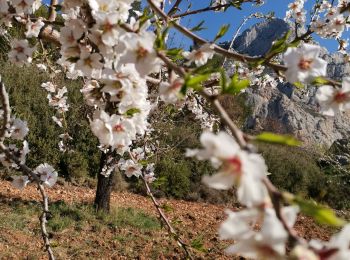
<point>216,48</point>
<point>163,217</point>
<point>4,97</point>
<point>26,170</point>
<point>52,10</point>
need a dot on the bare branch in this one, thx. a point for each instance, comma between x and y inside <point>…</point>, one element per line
<point>175,7</point>
<point>163,217</point>
<point>25,169</point>
<point>7,110</point>
<point>52,10</point>
<point>216,48</point>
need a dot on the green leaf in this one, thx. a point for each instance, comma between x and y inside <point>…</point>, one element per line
<point>198,27</point>
<point>205,69</point>
<point>132,111</point>
<point>320,213</point>
<point>223,80</point>
<point>143,162</point>
<point>146,15</point>
<point>320,81</point>
<point>299,85</point>
<point>237,5</point>
<point>294,43</point>
<point>160,41</point>
<point>277,139</point>
<point>236,85</point>
<point>278,46</point>
<point>223,30</point>
<point>195,80</point>
<point>160,181</point>
<point>174,53</point>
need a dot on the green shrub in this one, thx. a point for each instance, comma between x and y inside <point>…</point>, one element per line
<point>28,102</point>
<point>175,177</point>
<point>294,170</point>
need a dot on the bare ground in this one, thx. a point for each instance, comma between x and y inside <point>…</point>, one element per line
<point>196,222</point>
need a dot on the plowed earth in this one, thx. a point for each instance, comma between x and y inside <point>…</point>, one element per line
<point>196,222</point>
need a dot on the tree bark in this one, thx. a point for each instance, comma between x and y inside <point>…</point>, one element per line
<point>105,187</point>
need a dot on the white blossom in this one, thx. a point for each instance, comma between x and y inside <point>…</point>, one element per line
<point>303,63</point>
<point>20,182</point>
<point>33,29</point>
<point>47,174</point>
<point>236,167</point>
<point>20,52</point>
<point>201,55</point>
<point>334,100</point>
<point>130,168</point>
<point>19,129</point>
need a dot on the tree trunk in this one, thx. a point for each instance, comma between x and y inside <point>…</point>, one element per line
<point>105,186</point>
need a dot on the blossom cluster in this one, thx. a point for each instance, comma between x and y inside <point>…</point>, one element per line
<point>328,20</point>
<point>18,130</point>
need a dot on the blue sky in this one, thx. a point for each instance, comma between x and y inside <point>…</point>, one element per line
<point>213,20</point>
<point>232,16</point>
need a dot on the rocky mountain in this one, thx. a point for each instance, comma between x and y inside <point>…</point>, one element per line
<point>285,109</point>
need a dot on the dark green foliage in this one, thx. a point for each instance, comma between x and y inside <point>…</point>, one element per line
<point>28,101</point>
<point>175,176</point>
<point>294,169</point>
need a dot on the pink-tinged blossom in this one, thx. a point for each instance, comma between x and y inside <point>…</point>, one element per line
<point>333,100</point>
<point>25,6</point>
<point>140,52</point>
<point>49,86</point>
<point>268,243</point>
<point>337,248</point>
<point>201,55</point>
<point>19,129</point>
<point>303,63</point>
<point>114,131</point>
<point>33,29</point>
<point>20,182</point>
<point>107,23</point>
<point>169,92</point>
<point>47,174</point>
<point>20,52</point>
<point>71,33</point>
<point>101,128</point>
<point>238,224</point>
<point>236,167</point>
<point>130,168</point>
<point>90,64</point>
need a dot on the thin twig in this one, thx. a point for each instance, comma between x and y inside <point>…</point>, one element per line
<point>216,48</point>
<point>25,169</point>
<point>206,9</point>
<point>52,10</point>
<point>7,110</point>
<point>241,139</point>
<point>163,217</point>
<point>175,7</point>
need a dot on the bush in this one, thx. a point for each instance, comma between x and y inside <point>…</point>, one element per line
<point>29,103</point>
<point>294,170</point>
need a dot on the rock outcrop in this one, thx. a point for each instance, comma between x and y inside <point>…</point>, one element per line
<point>285,109</point>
